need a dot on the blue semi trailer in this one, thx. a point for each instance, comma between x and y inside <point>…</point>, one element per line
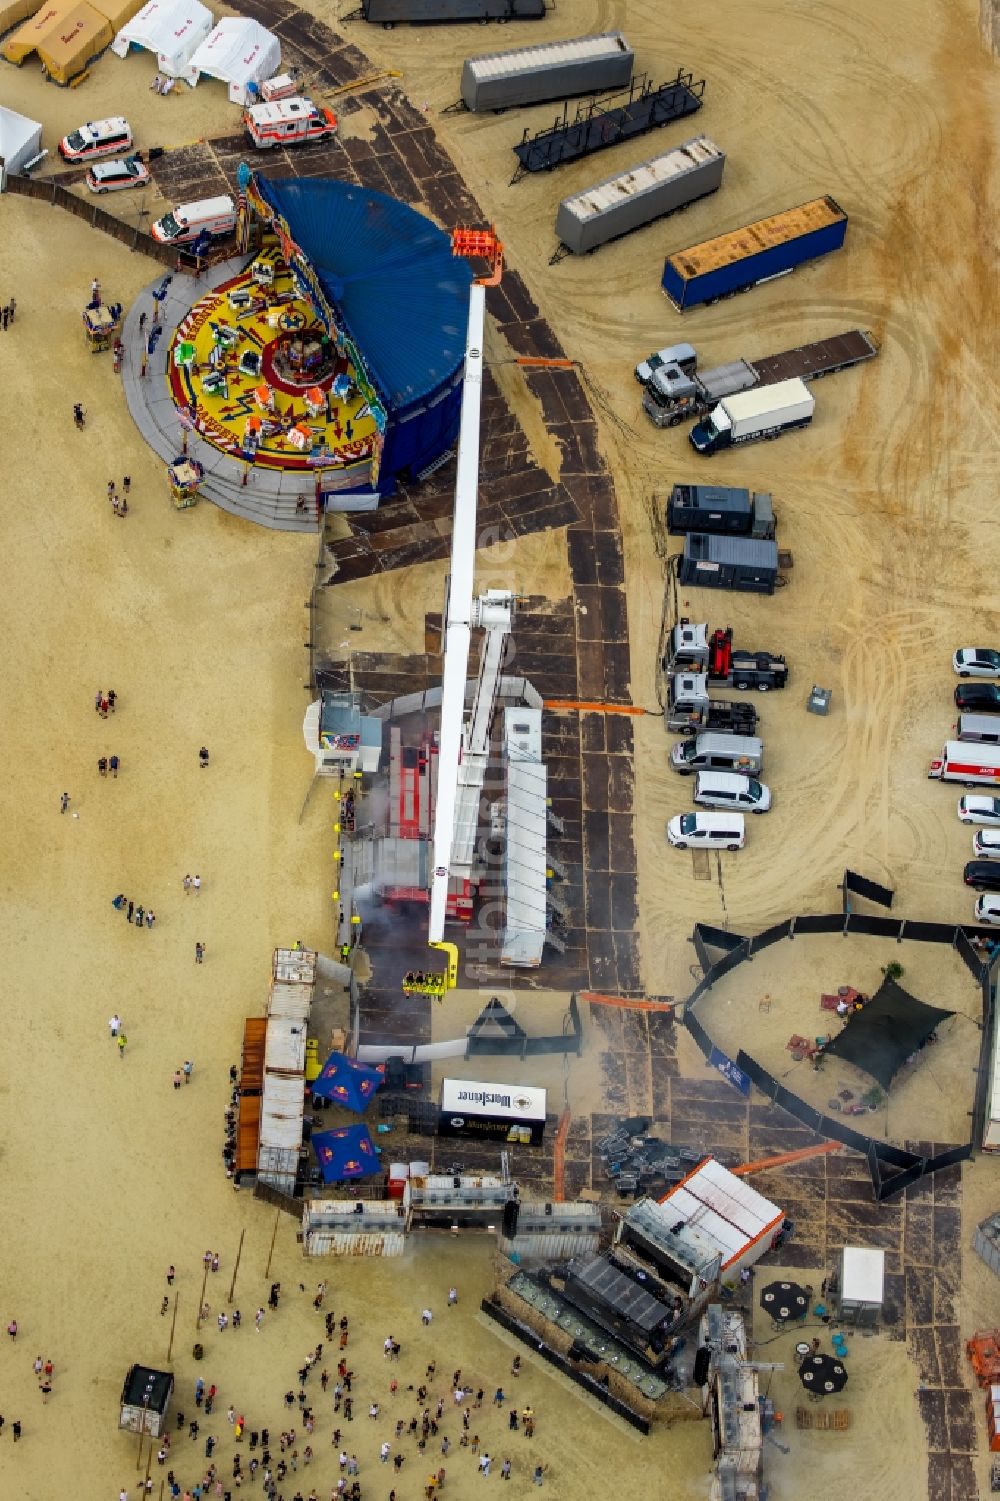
<point>738,260</point>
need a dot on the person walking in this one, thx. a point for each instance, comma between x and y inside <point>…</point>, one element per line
<point>196,883</point>
<point>129,910</point>
<point>140,916</point>
<point>112,491</point>
<point>64,802</point>
<point>164,1305</point>
<point>188,1069</point>
<point>171,1274</point>
<point>177,1078</point>
<point>122,1044</point>
<point>199,953</point>
<point>114,1025</point>
<point>539,1472</point>
<point>203,757</point>
<point>113,765</point>
<point>112,698</point>
<point>150,918</point>
<point>186,883</point>
<point>505,1470</point>
<point>452,1296</point>
<point>102,766</point>
<point>126,484</point>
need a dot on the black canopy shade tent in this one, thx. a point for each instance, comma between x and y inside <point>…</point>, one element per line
<point>892,1026</point>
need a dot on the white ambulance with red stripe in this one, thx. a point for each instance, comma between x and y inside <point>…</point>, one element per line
<point>965,761</point>
<point>287,122</point>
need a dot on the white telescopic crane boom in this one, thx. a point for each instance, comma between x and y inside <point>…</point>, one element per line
<point>458,614</point>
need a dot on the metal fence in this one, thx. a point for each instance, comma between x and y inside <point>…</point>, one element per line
<point>878,1153</point>
<point>53,192</point>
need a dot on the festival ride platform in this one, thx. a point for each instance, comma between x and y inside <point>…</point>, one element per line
<point>263,379</point>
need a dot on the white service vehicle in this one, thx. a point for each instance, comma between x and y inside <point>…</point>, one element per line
<point>971,661</point>
<point>987,908</point>
<point>109,177</point>
<point>975,808</point>
<point>730,789</point>
<point>211,216</point>
<point>287,122</point>
<point>706,831</point>
<point>96,139</point>
<point>681,357</point>
<point>986,844</point>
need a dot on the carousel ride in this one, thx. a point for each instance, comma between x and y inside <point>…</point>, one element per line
<point>261,378</point>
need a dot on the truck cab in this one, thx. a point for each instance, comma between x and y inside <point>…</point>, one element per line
<point>681,357</point>
<point>713,432</point>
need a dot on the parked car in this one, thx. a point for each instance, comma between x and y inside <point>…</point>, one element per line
<point>977,662</point>
<point>108,177</point>
<point>97,138</point>
<point>986,844</point>
<point>975,808</point>
<point>984,875</point>
<point>987,909</point>
<point>978,698</point>
<point>729,789</point>
<point>723,831</point>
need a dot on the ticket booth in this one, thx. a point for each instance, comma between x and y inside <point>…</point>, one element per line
<point>499,1112</point>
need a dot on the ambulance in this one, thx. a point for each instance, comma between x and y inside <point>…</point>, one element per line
<point>215,217</point>
<point>287,122</point>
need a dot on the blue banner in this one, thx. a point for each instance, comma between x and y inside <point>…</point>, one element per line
<point>729,1071</point>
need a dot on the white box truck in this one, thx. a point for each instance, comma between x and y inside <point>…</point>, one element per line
<point>975,765</point>
<point>764,412</point>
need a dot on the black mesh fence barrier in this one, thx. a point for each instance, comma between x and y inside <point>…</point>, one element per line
<point>770,935</point>
<point>929,932</point>
<point>827,922</point>
<point>875,927</point>
<point>973,959</point>
<point>697,1031</point>
<point>718,938</point>
<point>870,890</point>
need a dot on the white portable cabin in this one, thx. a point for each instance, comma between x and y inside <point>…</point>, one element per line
<point>239,52</point>
<point>716,1217</point>
<point>552,70</point>
<point>173,29</point>
<point>861,1285</point>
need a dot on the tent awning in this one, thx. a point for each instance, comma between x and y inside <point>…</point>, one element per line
<point>892,1026</point>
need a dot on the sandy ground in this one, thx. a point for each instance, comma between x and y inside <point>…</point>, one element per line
<point>761,1005</point>
<point>886,505</point>
<point>878,1398</point>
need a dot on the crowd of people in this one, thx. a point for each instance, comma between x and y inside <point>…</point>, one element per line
<point>310,1451</point>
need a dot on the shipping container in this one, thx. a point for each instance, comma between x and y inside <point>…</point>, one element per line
<point>388,12</point>
<point>709,508</point>
<point>554,70</point>
<point>757,252</point>
<point>719,562</point>
<point>631,199</point>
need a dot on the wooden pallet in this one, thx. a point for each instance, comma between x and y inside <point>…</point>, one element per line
<point>803,1417</point>
<point>841,1419</point>
<point>821,1419</point>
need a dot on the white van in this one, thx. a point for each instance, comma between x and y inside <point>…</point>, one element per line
<point>212,216</point>
<point>720,831</point>
<point>714,752</point>
<point>730,789</point>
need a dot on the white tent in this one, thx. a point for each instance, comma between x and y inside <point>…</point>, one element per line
<point>20,140</point>
<point>239,52</point>
<point>172,29</point>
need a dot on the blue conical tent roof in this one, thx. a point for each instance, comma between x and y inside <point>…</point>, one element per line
<point>390,274</point>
